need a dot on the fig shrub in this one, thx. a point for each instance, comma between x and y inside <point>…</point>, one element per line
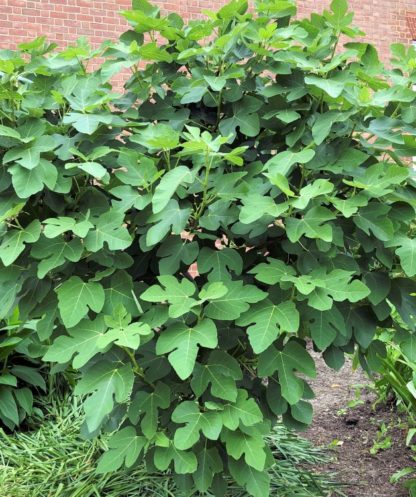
<point>179,242</point>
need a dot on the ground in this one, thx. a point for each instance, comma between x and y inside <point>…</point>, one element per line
<point>354,431</point>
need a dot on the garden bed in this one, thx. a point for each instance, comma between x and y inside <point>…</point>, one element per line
<point>352,433</point>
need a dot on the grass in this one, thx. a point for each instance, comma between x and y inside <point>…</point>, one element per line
<point>53,461</point>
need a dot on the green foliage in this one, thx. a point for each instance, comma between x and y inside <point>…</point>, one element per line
<point>52,459</point>
<point>396,370</point>
<point>19,374</point>
<point>395,382</point>
<point>180,241</point>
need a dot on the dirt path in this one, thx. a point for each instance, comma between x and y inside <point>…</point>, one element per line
<point>355,430</point>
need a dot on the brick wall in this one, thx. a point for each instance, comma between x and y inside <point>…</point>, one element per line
<point>384,21</point>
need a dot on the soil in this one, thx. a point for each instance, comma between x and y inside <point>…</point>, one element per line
<point>352,431</point>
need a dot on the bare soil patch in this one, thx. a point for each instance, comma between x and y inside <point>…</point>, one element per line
<point>355,430</point>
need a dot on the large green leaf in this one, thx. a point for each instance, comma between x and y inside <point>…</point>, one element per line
<point>293,357</point>
<point>183,342</point>
<point>256,206</point>
<point>324,122</point>
<point>8,406</point>
<point>175,251</point>
<point>27,182</point>
<point>209,464</point>
<point>10,286</point>
<point>282,162</point>
<point>83,343</point>
<point>29,156</point>
<point>125,447</point>
<point>59,225</point>
<point>312,190</point>
<point>339,17</point>
<point>236,301</point>
<point>88,123</point>
<point>54,253</point>
<point>219,263</point>
<point>325,326</point>
<point>158,136</point>
<point>146,405</point>
<point>119,291</point>
<point>244,117</point>
<point>239,443</point>
<point>313,225</point>
<point>257,483</point>
<point>188,413</point>
<point>13,243</point>
<point>268,321</point>
<point>272,271</point>
<point>380,179</point>
<point>137,169</point>
<point>184,461</point>
<point>108,230</point>
<point>244,410</point>
<point>322,288</point>
<point>172,219</point>
<point>107,383</point>
<point>221,371</point>
<point>76,297</point>
<point>122,332</point>
<point>372,219</point>
<point>168,186</point>
<point>177,293</point>
<point>407,254</point>
<point>333,87</point>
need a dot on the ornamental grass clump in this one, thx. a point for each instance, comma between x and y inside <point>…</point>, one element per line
<point>178,242</point>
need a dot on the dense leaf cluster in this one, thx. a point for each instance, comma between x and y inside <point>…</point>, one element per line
<point>179,242</point>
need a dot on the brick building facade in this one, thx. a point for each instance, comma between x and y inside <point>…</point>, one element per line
<point>384,21</point>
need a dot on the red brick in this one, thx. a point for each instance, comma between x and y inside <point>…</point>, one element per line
<point>385,21</point>
<point>70,8</point>
<point>59,15</point>
<point>16,3</point>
